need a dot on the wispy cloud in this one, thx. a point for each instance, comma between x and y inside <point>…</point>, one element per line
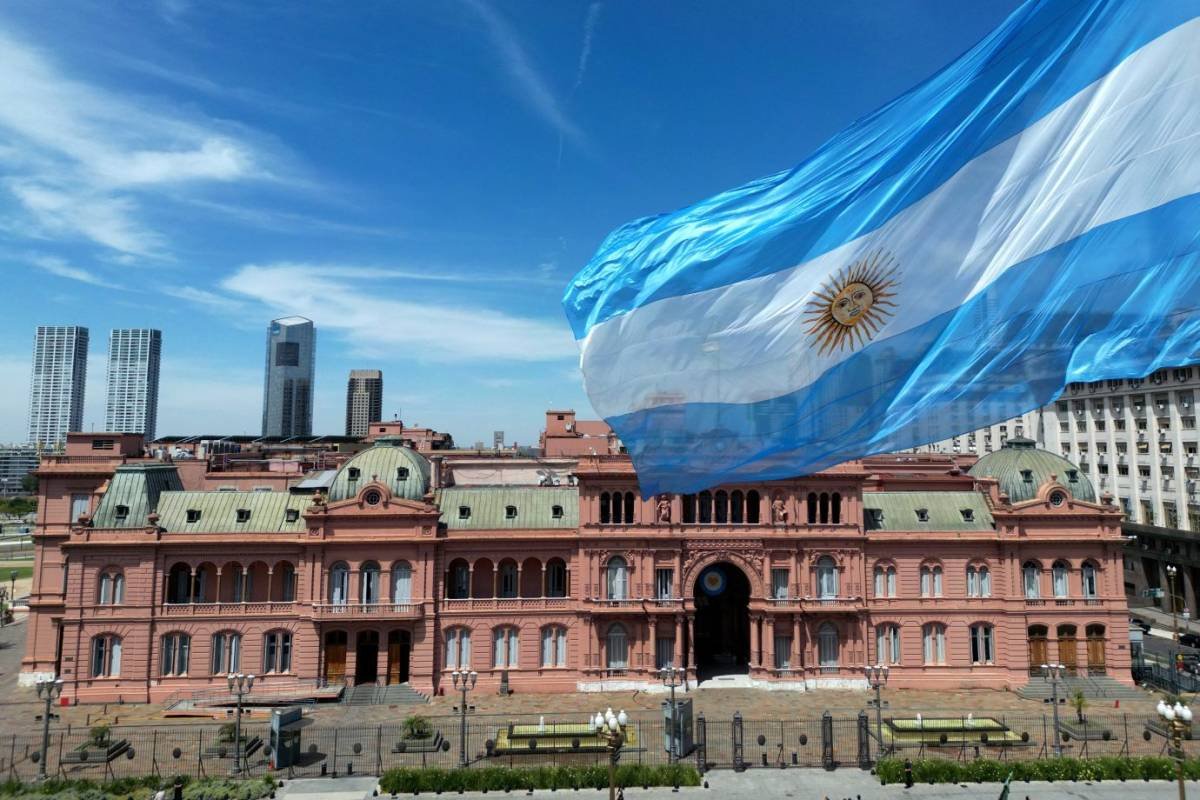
<point>585,51</point>
<point>57,266</point>
<point>344,300</point>
<point>80,160</point>
<point>531,87</point>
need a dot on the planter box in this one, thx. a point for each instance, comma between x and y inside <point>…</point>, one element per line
<point>1084,733</point>
<point>225,749</point>
<point>96,753</point>
<point>429,744</point>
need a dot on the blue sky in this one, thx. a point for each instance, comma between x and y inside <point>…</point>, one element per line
<point>420,179</point>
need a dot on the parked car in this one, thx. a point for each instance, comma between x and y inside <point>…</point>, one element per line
<point>1189,639</point>
<point>1140,623</point>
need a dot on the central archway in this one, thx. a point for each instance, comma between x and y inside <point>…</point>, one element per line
<point>722,646</point>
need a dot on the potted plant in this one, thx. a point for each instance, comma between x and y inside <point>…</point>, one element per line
<point>417,727</point>
<point>1079,702</point>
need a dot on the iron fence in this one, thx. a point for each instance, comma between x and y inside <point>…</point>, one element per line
<point>720,743</point>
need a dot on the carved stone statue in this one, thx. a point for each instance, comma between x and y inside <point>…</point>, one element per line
<point>779,512</point>
<point>664,509</point>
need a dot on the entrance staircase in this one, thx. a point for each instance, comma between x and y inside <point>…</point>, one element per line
<point>398,694</point>
<point>1094,687</point>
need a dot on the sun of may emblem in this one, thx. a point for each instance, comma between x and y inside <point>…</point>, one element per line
<point>853,304</point>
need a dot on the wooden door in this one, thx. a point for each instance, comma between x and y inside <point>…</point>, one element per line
<point>399,649</point>
<point>1038,653</point>
<point>1068,649</point>
<point>1095,650</point>
<point>335,657</point>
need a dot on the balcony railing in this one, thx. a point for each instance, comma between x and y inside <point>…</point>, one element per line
<point>226,609</point>
<point>368,610</point>
<point>504,603</point>
<point>833,603</point>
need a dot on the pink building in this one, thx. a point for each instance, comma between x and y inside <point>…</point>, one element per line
<point>393,570</point>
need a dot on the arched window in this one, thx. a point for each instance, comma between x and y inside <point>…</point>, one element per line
<point>505,648</point>
<point>828,647</point>
<point>617,507</point>
<point>979,581</point>
<point>106,656</point>
<point>837,508</point>
<point>982,644</point>
<point>931,580</point>
<point>605,509</point>
<point>721,507</point>
<point>287,586</point>
<point>1091,586</point>
<point>706,508</point>
<point>554,646</point>
<point>753,500</point>
<point>823,510</point>
<point>111,590</point>
<point>242,584</point>
<point>339,584</point>
<point>887,643</point>
<point>459,585</point>
<point>368,583</point>
<point>508,579</point>
<point>179,584</point>
<point>688,501</point>
<point>458,648</point>
<point>226,653</point>
<point>885,580</point>
<point>1059,574</point>
<point>401,582</point>
<point>934,637</point>
<point>277,652</point>
<point>827,578</point>
<point>617,579</point>
<point>1030,573</point>
<point>737,507</point>
<point>628,508</point>
<point>176,649</point>
<point>617,647</point>
<point>811,504</point>
<point>556,578</point>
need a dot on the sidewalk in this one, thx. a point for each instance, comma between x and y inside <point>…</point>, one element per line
<point>802,784</point>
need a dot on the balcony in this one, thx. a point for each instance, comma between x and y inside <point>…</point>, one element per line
<point>504,603</point>
<point>832,604</point>
<point>368,610</point>
<point>226,609</point>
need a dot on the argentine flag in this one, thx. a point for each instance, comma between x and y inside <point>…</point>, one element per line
<point>1027,217</point>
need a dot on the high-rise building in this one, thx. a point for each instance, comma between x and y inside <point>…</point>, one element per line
<point>133,359</point>
<point>288,387</point>
<point>57,384</point>
<point>16,461</point>
<point>364,400</point>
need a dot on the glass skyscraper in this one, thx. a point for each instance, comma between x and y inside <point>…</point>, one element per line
<point>133,360</point>
<point>288,383</point>
<point>57,384</point>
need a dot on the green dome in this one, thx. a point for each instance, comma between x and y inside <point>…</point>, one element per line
<point>1021,468</point>
<point>402,469</point>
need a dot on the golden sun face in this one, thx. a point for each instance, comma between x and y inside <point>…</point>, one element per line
<point>853,304</point>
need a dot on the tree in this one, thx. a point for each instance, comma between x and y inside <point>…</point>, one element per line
<point>29,484</point>
<point>1079,702</point>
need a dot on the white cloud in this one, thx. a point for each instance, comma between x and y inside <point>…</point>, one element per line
<point>532,88</point>
<point>585,51</point>
<point>59,267</point>
<point>347,300</point>
<point>79,158</point>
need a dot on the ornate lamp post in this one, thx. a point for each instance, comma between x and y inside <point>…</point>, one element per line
<point>1178,719</point>
<point>464,682</point>
<point>672,676</point>
<point>877,676</point>
<point>1172,570</point>
<point>49,690</point>
<point>239,686</point>
<point>610,728</point>
<point>1054,672</point>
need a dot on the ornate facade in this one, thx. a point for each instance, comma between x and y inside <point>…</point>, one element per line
<point>392,570</point>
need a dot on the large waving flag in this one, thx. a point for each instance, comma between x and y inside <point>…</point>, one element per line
<point>1027,217</point>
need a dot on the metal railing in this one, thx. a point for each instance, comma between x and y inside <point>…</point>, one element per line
<point>368,610</point>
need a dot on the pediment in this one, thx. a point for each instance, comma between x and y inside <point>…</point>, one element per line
<point>374,500</point>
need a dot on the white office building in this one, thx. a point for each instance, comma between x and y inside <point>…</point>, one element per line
<point>57,383</point>
<point>133,362</point>
<point>1135,438</point>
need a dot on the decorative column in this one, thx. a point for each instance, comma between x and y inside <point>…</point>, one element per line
<point>192,584</point>
<point>495,579</point>
<point>270,576</point>
<point>754,642</point>
<point>245,582</point>
<point>691,627</point>
<point>797,643</point>
<point>543,579</point>
<point>653,644</point>
<point>218,597</point>
<point>677,656</point>
<point>770,644</point>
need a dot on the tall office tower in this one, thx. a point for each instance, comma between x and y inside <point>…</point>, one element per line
<point>288,388</point>
<point>57,384</point>
<point>364,400</point>
<point>133,358</point>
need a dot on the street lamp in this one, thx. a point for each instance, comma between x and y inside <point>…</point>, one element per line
<point>239,685</point>
<point>610,728</point>
<point>1171,572</point>
<point>48,689</point>
<point>877,676</point>
<point>1055,672</point>
<point>464,682</point>
<point>1178,719</point>
<point>673,676</point>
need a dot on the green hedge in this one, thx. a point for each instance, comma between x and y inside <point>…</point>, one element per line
<point>939,770</point>
<point>406,780</point>
<point>141,787</point>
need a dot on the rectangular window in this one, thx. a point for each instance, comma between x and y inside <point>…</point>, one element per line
<point>935,644</point>
<point>554,647</point>
<point>79,506</point>
<point>981,644</point>
<point>270,652</point>
<point>783,652</point>
<point>779,583</point>
<point>287,354</point>
<point>664,582</point>
<point>664,652</point>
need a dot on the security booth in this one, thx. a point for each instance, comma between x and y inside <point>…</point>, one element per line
<point>677,729</point>
<point>285,736</point>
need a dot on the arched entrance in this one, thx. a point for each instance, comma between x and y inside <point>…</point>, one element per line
<point>722,646</point>
<point>366,658</point>
<point>399,650</point>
